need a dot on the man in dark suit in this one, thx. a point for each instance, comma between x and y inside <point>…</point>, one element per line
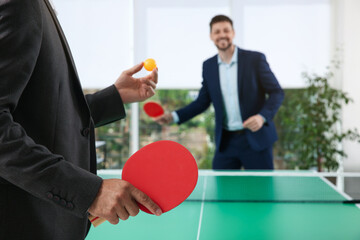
<point>245,95</point>
<point>48,184</point>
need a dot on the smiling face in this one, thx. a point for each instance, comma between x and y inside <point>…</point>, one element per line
<point>222,34</point>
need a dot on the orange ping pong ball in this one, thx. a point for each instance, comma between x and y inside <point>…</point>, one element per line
<point>149,64</point>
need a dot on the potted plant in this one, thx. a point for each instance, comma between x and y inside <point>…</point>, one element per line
<point>310,124</point>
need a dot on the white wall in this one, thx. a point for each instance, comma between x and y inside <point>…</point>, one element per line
<point>294,35</point>
<point>349,36</point>
<point>99,36</point>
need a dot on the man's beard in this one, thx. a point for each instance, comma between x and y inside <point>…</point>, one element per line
<point>224,48</point>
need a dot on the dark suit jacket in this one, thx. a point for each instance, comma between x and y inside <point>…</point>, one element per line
<point>46,128</point>
<point>259,93</point>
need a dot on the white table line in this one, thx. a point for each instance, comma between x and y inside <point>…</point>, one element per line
<point>202,209</point>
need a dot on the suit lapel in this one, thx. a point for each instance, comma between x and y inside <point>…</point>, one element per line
<point>215,73</point>
<point>218,101</point>
<point>217,97</point>
<point>240,74</point>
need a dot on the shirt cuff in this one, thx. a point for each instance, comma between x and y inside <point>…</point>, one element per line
<point>175,117</point>
<point>263,118</point>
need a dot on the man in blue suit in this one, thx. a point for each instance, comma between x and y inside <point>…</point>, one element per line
<point>245,95</point>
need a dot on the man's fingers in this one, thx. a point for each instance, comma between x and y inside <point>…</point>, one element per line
<point>148,82</point>
<point>161,120</point>
<point>164,119</point>
<point>122,213</point>
<point>252,124</point>
<point>151,91</point>
<point>253,127</point>
<point>132,208</point>
<point>246,124</point>
<point>114,219</point>
<point>144,200</point>
<point>249,122</point>
<point>168,118</point>
<point>134,69</point>
<point>155,75</point>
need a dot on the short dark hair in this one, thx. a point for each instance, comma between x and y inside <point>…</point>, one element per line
<point>220,18</point>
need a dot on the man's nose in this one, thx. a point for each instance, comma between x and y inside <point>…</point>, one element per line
<point>222,34</point>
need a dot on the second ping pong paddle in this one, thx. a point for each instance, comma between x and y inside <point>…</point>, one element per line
<point>165,170</point>
<point>153,109</point>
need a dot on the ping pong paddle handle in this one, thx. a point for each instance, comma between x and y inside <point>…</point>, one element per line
<point>96,221</point>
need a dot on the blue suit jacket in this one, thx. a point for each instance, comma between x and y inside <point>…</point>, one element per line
<point>259,93</point>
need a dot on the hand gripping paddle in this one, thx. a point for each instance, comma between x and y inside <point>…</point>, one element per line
<point>153,109</point>
<point>165,171</point>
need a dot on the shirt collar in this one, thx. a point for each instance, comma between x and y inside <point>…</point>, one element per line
<point>234,58</point>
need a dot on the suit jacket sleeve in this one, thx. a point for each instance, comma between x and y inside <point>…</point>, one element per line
<point>106,106</point>
<point>23,162</point>
<point>201,103</point>
<point>271,87</point>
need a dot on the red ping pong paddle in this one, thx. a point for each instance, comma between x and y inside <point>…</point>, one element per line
<point>165,170</point>
<point>153,109</point>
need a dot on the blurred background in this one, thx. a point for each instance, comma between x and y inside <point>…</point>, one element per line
<point>304,41</point>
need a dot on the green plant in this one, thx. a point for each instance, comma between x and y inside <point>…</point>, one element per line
<point>311,124</point>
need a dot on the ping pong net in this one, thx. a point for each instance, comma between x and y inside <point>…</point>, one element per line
<point>277,187</point>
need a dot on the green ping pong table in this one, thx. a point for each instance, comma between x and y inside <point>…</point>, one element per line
<point>227,206</point>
